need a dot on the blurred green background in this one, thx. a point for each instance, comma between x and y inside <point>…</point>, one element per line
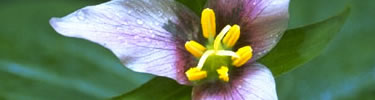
<point>36,63</point>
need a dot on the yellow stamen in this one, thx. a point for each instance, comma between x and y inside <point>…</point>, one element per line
<point>208,23</point>
<point>245,54</point>
<point>194,74</point>
<point>217,41</point>
<point>232,36</point>
<point>218,48</point>
<point>195,48</point>
<point>223,73</point>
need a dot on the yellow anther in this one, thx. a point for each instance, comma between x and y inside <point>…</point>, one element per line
<point>245,54</point>
<point>194,74</point>
<point>195,48</point>
<point>217,41</point>
<point>232,36</point>
<point>208,23</point>
<point>223,73</point>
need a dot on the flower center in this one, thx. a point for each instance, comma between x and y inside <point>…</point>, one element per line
<point>216,59</point>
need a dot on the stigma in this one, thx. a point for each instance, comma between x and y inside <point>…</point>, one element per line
<point>216,57</point>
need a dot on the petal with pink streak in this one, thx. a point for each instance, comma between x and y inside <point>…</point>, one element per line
<point>146,35</point>
<point>262,22</point>
<point>251,82</point>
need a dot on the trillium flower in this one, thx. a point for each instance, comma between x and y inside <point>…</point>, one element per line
<point>216,53</point>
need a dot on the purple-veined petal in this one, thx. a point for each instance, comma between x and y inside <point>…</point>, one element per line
<point>253,82</point>
<point>146,35</point>
<point>262,22</point>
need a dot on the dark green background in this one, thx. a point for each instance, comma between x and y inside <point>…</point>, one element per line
<point>346,69</point>
<point>37,63</point>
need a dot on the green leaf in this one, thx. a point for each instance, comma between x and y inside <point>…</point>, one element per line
<point>159,88</point>
<point>36,63</point>
<point>195,5</point>
<point>301,45</point>
<point>345,70</point>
